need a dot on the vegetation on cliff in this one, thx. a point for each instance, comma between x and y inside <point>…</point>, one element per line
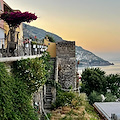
<point>15,102</point>
<point>73,107</point>
<point>16,88</point>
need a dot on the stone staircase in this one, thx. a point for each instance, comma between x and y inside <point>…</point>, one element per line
<point>49,96</point>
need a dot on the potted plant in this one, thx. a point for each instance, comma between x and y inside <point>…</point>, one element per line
<point>26,45</point>
<point>38,45</point>
<point>35,49</point>
<point>34,44</point>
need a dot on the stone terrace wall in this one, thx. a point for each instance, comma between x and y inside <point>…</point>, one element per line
<point>65,52</point>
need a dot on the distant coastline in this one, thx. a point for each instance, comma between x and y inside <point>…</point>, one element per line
<point>84,64</point>
<point>109,69</point>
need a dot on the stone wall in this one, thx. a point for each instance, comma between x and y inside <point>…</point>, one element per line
<point>66,64</point>
<point>37,100</point>
<point>65,49</point>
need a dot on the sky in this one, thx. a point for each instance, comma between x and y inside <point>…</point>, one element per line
<point>92,24</point>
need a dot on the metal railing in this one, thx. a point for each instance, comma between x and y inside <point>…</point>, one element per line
<point>45,113</point>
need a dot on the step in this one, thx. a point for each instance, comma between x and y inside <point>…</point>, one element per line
<point>49,89</point>
<point>47,106</point>
<point>48,102</point>
<point>48,98</point>
<point>48,85</point>
<point>48,94</point>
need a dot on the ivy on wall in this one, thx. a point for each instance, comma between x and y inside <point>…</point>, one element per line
<point>33,72</point>
<point>16,88</point>
<point>15,102</point>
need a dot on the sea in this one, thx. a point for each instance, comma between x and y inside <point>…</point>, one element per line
<point>111,69</point>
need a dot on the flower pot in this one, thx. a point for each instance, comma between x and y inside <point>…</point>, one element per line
<point>34,46</point>
<point>26,45</point>
<point>35,49</point>
<point>38,46</point>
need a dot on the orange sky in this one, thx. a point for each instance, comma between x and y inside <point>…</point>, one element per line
<point>94,25</point>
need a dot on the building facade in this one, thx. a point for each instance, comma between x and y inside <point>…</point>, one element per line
<point>1,25</point>
<point>9,41</point>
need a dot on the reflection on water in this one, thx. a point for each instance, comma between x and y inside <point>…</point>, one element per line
<point>112,69</point>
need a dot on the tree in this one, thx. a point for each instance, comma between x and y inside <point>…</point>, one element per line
<point>110,97</point>
<point>95,97</point>
<point>50,38</point>
<point>93,79</point>
<point>113,84</point>
<point>14,19</point>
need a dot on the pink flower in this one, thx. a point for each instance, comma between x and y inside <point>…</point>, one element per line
<point>14,19</point>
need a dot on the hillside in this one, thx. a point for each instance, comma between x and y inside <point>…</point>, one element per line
<point>86,57</point>
<point>31,31</point>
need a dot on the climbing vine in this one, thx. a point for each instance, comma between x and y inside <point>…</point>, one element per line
<point>33,72</point>
<point>16,88</point>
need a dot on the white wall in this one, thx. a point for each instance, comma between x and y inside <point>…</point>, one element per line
<point>1,37</point>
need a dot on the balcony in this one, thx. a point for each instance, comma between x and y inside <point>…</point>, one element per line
<point>20,50</point>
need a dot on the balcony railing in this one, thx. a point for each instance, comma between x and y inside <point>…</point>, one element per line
<point>25,49</point>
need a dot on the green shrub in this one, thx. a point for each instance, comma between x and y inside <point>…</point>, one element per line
<point>110,97</point>
<point>15,102</point>
<point>93,79</point>
<point>50,38</point>
<point>33,72</point>
<point>94,97</point>
<point>16,88</point>
<point>63,98</point>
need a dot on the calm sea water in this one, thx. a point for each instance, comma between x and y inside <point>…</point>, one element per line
<point>112,69</point>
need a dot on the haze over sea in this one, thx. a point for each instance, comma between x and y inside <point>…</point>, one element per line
<point>112,69</point>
